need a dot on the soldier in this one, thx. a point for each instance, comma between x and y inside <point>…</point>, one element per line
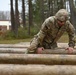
<point>52,29</point>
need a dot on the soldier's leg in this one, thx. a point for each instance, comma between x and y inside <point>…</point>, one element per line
<point>33,45</point>
<point>53,46</point>
<point>45,45</point>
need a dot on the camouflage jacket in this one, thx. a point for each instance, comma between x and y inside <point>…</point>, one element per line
<point>51,32</point>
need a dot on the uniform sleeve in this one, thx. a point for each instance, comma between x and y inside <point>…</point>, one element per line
<point>71,34</point>
<point>41,34</point>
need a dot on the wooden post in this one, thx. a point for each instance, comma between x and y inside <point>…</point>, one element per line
<point>12,69</point>
<point>38,59</point>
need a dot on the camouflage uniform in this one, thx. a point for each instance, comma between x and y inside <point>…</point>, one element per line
<point>50,32</point>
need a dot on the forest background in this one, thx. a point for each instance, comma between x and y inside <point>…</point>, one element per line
<point>27,21</point>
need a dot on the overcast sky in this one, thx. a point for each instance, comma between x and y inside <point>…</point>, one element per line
<point>4,5</point>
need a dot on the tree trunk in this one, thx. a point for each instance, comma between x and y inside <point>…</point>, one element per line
<point>73,13</point>
<point>49,9</point>
<point>42,10</point>
<point>16,18</point>
<point>23,14</point>
<point>30,15</point>
<point>12,16</point>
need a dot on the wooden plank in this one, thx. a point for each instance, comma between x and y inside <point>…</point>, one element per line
<point>12,69</point>
<point>49,59</point>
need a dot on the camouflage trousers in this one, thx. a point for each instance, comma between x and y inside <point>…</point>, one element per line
<point>34,45</point>
<point>47,45</point>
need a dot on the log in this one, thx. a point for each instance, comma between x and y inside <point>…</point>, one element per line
<point>25,45</point>
<point>49,59</point>
<point>13,50</point>
<point>57,51</point>
<point>46,51</point>
<point>13,46</point>
<point>12,69</point>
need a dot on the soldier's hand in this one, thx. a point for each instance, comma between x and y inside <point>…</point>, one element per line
<point>39,50</point>
<point>70,49</point>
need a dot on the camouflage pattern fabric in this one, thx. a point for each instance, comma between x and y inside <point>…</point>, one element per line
<point>50,33</point>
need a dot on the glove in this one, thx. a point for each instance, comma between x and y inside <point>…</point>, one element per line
<point>39,50</point>
<point>70,49</point>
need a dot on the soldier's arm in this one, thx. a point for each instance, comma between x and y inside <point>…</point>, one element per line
<point>71,33</point>
<point>40,36</point>
<point>45,27</point>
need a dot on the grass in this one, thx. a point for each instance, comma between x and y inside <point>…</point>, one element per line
<point>63,39</point>
<point>13,41</point>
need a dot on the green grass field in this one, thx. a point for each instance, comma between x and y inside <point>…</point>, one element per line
<point>63,39</point>
<point>13,41</point>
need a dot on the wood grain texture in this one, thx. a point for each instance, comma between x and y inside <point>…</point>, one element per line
<point>49,59</point>
<point>12,69</point>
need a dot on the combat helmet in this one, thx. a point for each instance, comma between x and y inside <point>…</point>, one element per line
<point>62,15</point>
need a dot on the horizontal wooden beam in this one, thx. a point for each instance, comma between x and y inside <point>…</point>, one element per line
<point>12,69</point>
<point>57,51</point>
<point>49,59</point>
<point>27,44</point>
<point>46,51</point>
<point>13,50</point>
<point>13,46</point>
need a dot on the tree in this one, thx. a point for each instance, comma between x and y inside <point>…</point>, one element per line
<point>23,14</point>
<point>73,12</point>
<point>12,17</point>
<point>41,2</point>
<point>30,15</point>
<point>16,18</point>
